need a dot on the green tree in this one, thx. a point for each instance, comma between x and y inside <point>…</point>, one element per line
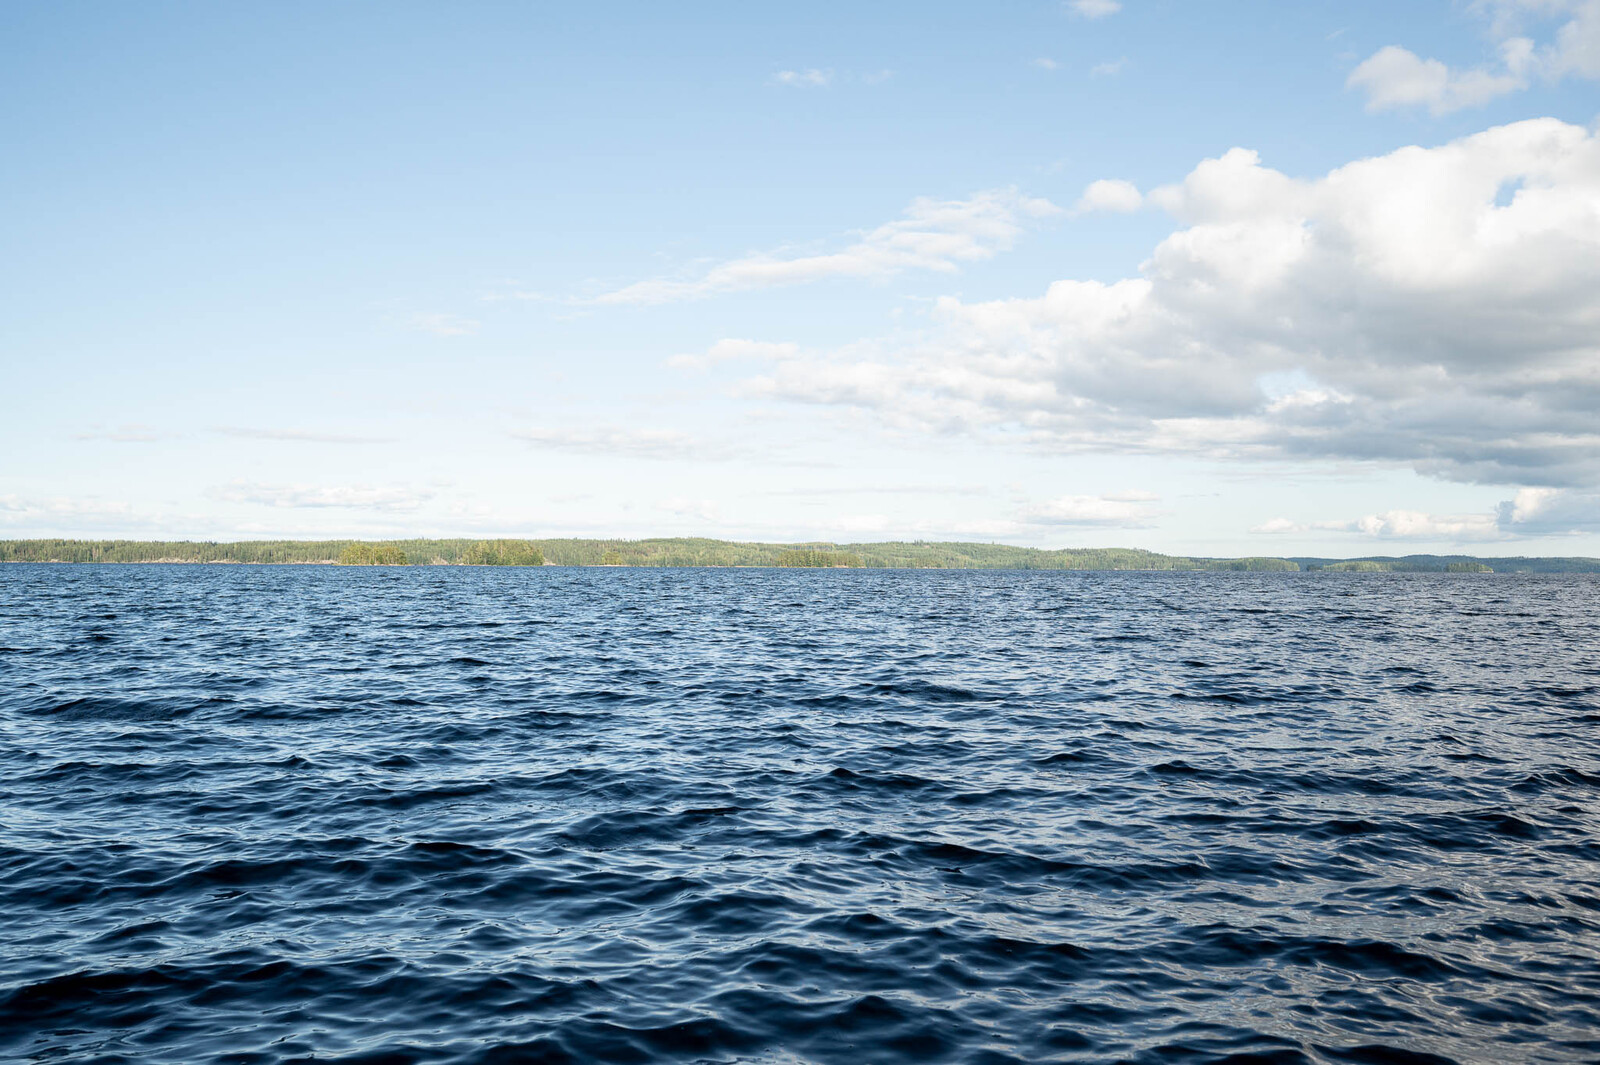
<point>811,558</point>
<point>362,554</point>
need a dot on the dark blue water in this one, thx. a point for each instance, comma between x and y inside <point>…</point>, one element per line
<point>474,815</point>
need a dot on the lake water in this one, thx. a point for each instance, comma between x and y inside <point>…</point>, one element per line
<point>257,814</point>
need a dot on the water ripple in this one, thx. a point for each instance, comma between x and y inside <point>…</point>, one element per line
<point>283,814</point>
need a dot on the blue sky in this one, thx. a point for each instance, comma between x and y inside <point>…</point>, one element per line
<point>1000,272</point>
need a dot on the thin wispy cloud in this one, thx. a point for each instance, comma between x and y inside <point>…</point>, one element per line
<point>809,78</point>
<point>1093,9</point>
<point>302,496</point>
<point>84,511</point>
<point>628,443</point>
<point>1109,68</point>
<point>932,235</point>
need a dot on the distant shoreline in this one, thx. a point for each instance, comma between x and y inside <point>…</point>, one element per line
<point>696,553</point>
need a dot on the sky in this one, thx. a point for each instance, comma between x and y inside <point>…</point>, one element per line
<point>1248,278</point>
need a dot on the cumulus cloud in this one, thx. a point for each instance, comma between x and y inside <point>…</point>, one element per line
<point>936,235</point>
<point>1109,194</point>
<point>1394,77</point>
<point>1276,526</point>
<point>1125,510</point>
<point>1434,307</point>
<point>1094,8</point>
<point>1549,512</point>
<point>365,497</point>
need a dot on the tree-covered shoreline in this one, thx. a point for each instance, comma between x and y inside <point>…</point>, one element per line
<point>693,552</point>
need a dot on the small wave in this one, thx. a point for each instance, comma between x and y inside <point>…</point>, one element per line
<point>294,814</point>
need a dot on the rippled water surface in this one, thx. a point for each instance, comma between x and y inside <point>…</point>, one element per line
<point>257,814</point>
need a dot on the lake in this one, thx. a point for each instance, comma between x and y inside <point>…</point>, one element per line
<point>274,814</point>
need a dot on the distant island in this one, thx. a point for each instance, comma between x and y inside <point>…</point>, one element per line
<point>704,552</point>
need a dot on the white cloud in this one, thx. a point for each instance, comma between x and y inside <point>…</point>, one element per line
<point>444,325</point>
<point>1094,8</point>
<point>1110,194</point>
<point>1045,64</point>
<point>936,235</point>
<point>366,497</point>
<point>1549,511</point>
<point>1127,510</point>
<point>1399,309</point>
<point>1577,47</point>
<point>811,78</point>
<point>1394,77</point>
<point>1274,526</point>
<point>1109,68</point>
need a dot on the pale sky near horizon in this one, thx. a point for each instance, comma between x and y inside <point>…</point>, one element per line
<point>1209,278</point>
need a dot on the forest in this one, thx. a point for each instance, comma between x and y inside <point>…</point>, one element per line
<point>671,552</point>
<point>651,552</point>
